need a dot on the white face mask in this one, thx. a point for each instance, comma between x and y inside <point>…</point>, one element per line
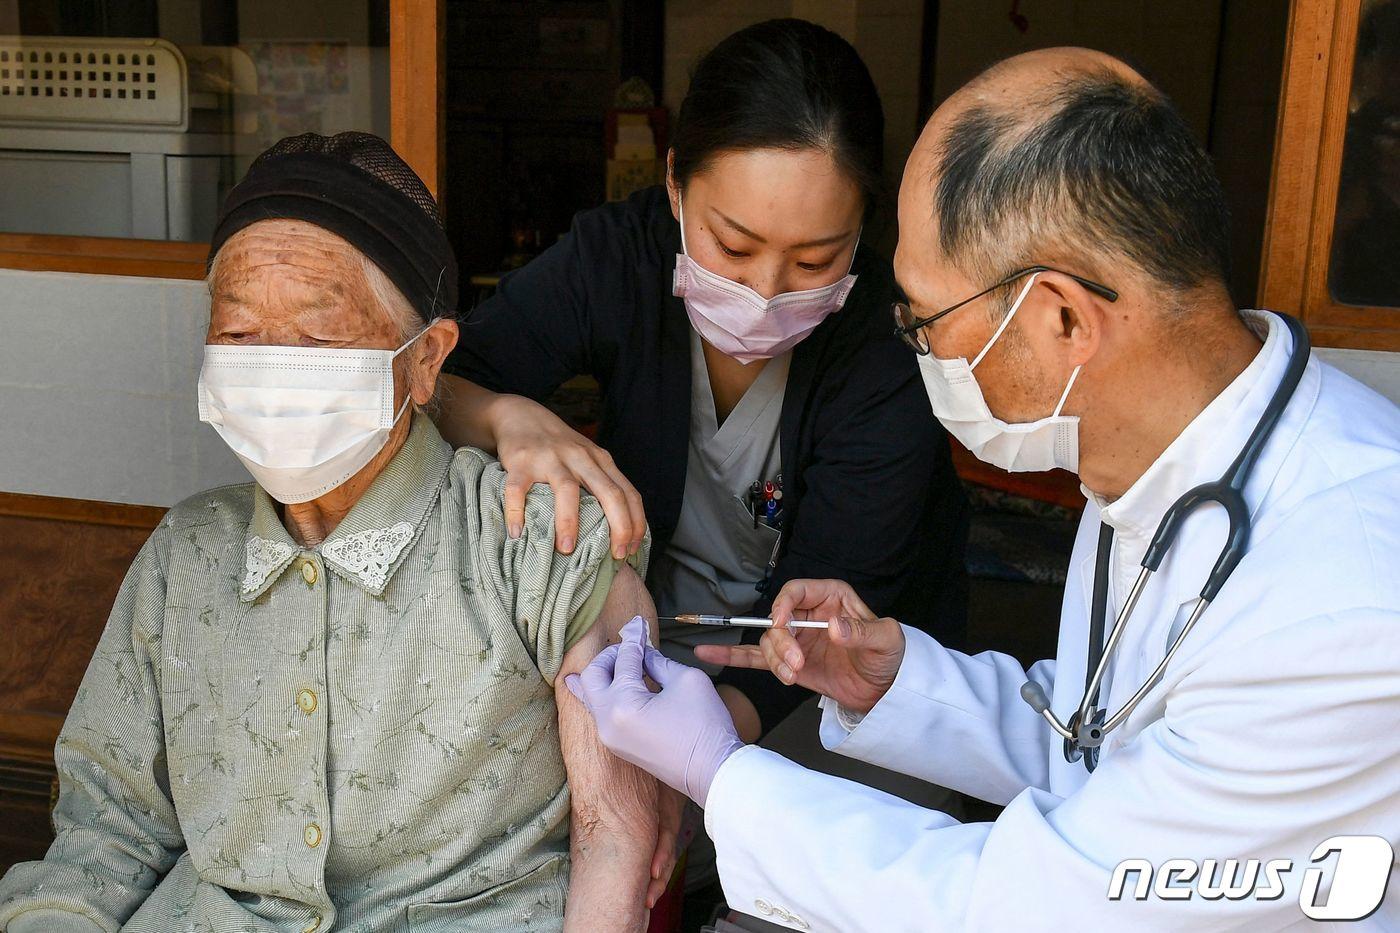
<point>302,419</point>
<point>958,402</point>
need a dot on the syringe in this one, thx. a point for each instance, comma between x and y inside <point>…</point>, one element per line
<point>694,618</point>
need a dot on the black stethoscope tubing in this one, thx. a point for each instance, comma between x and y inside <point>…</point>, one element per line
<point>1086,729</point>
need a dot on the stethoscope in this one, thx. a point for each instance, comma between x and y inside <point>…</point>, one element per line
<point>1086,729</point>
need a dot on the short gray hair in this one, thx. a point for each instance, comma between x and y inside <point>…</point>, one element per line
<point>1099,167</point>
<point>391,301</point>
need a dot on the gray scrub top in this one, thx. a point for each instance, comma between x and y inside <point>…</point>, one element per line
<point>716,556</point>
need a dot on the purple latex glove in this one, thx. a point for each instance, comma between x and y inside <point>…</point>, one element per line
<point>682,734</point>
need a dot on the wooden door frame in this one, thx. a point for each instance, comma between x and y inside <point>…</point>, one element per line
<point>1306,173</point>
<point>417,88</point>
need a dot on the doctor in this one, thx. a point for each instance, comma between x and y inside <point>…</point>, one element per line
<point>1111,348</point>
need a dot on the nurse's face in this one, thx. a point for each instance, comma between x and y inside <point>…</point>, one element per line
<point>775,220</point>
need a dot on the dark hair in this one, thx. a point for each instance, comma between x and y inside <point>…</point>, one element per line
<point>783,84</point>
<point>1104,164</point>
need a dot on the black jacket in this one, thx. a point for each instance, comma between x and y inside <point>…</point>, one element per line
<point>869,492</point>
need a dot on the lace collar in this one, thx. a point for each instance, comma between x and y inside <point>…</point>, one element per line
<point>374,538</point>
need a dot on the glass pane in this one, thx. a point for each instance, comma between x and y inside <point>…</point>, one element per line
<point>134,119</point>
<point>1365,265</point>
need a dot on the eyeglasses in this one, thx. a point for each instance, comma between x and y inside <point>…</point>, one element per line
<point>911,329</point>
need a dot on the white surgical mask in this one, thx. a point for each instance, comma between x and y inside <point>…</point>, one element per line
<point>958,402</point>
<point>302,419</point>
<point>738,321</point>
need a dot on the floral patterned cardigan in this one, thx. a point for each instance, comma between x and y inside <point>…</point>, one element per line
<point>363,733</point>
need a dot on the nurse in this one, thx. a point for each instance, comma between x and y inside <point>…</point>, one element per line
<point>1064,248</point>
<point>739,328</point>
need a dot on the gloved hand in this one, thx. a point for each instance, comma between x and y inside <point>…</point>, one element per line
<point>681,735</point>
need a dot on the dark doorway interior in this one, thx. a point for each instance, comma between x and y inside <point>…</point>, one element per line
<point>528,86</point>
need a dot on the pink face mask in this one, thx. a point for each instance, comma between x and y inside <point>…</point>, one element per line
<point>739,322</point>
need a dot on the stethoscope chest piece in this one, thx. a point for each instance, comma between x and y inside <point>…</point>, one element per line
<point>1087,738</point>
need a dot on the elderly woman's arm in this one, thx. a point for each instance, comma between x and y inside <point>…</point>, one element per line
<point>567,608</point>
<point>117,832</point>
<point>614,828</point>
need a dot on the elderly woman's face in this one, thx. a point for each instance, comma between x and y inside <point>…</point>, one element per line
<point>290,283</point>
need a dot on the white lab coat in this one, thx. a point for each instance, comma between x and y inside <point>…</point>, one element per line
<point>1276,726</point>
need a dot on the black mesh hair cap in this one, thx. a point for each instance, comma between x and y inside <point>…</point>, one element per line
<point>357,187</point>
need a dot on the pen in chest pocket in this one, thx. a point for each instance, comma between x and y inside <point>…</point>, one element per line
<point>765,502</point>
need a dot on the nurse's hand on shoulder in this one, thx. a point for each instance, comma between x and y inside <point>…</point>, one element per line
<point>854,661</point>
<point>536,446</point>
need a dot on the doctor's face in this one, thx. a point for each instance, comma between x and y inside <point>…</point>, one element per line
<point>1014,382</point>
<point>775,220</point>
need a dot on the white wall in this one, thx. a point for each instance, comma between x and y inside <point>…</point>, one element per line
<point>97,389</point>
<point>1380,371</point>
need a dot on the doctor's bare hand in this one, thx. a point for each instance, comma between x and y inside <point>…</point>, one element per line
<point>853,661</point>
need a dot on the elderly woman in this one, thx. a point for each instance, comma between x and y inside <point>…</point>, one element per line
<point>335,698</point>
